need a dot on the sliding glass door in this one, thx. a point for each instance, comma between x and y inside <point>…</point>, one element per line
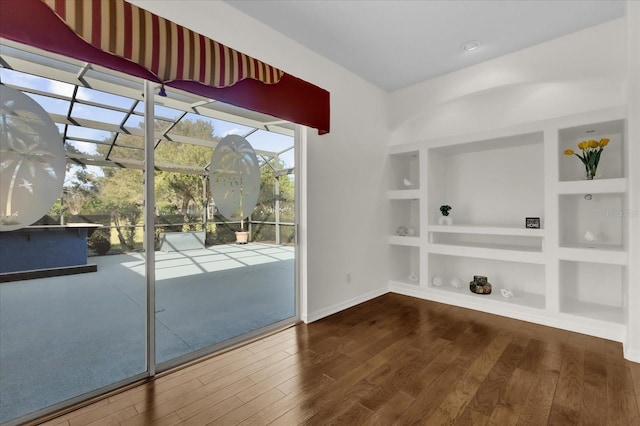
<point>119,279</point>
<point>220,275</point>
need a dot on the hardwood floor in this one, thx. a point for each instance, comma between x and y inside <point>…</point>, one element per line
<point>392,360</point>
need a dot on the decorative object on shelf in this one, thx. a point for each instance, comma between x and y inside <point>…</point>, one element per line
<point>591,151</point>
<point>402,231</point>
<point>590,237</point>
<point>437,281</point>
<point>506,293</point>
<point>445,219</point>
<point>532,222</point>
<point>413,277</point>
<point>455,283</point>
<point>411,231</point>
<point>480,285</point>
<point>407,182</point>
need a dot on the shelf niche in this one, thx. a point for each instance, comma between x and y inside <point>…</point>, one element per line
<point>592,290</point>
<point>601,216</point>
<point>405,262</point>
<point>527,281</point>
<point>497,182</point>
<point>405,213</point>
<point>611,163</point>
<point>404,167</point>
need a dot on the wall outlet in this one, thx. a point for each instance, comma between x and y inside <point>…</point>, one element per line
<point>348,277</point>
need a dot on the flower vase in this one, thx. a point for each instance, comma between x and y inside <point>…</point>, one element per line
<point>591,173</point>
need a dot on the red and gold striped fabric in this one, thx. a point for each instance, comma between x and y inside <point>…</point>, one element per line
<point>168,50</point>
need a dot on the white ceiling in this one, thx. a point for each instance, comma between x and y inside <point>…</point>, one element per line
<point>394,44</point>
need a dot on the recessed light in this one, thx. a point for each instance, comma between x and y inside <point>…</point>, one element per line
<point>470,45</point>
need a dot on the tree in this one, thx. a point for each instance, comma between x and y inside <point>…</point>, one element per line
<point>79,191</point>
<point>119,190</point>
<point>182,189</point>
<point>122,195</point>
<point>79,188</point>
<point>266,208</point>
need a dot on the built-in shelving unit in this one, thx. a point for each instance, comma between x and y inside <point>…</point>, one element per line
<point>404,229</point>
<point>571,272</point>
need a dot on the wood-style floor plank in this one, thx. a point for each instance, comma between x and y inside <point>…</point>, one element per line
<point>567,403</point>
<point>394,360</point>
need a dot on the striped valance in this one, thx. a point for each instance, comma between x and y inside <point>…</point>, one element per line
<point>168,50</point>
<point>120,36</point>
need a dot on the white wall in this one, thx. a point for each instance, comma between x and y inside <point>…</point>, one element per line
<point>579,72</point>
<point>632,344</point>
<point>345,231</point>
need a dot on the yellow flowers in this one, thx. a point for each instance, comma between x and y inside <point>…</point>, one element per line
<point>592,143</point>
<point>591,151</point>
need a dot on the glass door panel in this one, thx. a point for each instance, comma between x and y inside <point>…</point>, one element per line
<point>72,294</point>
<point>211,289</point>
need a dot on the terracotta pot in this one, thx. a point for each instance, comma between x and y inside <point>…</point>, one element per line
<point>242,237</point>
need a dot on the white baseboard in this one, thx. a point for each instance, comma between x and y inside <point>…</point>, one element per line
<point>631,355</point>
<point>315,316</point>
<point>605,330</point>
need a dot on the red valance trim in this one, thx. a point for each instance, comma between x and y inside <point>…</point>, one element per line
<point>33,23</point>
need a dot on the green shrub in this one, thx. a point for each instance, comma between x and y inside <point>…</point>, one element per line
<point>99,242</point>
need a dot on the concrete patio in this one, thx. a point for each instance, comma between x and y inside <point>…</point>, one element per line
<point>64,336</point>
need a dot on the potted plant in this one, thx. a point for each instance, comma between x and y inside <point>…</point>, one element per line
<point>591,151</point>
<point>242,236</point>
<point>235,181</point>
<point>445,219</point>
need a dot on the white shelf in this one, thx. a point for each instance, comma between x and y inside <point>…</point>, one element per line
<point>596,186</point>
<point>404,241</point>
<point>507,253</point>
<point>613,314</point>
<point>530,300</point>
<point>404,194</point>
<point>404,283</point>
<point>487,230</point>
<point>609,255</point>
